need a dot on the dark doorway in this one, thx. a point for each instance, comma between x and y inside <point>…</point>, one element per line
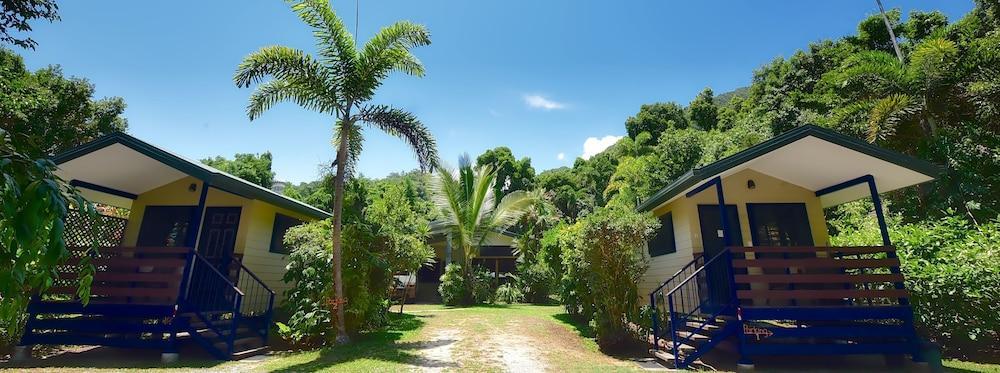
<point>165,226</point>
<point>218,234</point>
<point>716,291</point>
<point>209,290</point>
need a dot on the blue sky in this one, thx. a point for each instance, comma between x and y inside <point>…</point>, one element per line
<point>541,77</point>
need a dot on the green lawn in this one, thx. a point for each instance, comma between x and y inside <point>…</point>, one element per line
<point>964,366</point>
<point>477,339</point>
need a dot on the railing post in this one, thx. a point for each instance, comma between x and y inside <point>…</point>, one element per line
<point>270,314</point>
<point>656,324</point>
<point>235,325</point>
<point>673,329</point>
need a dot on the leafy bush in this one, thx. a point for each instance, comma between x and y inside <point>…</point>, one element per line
<point>602,265</point>
<point>952,269</point>
<point>510,294</point>
<point>611,242</point>
<point>483,285</point>
<point>309,271</point>
<point>452,289</point>
<point>383,234</point>
<point>535,280</point>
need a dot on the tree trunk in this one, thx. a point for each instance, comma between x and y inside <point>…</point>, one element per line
<point>338,208</point>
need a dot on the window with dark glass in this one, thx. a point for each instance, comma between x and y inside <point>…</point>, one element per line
<point>663,243</point>
<point>281,225</point>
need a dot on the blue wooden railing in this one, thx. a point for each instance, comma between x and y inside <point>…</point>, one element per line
<point>210,294</point>
<point>695,297</point>
<point>258,302</point>
<point>657,298</point>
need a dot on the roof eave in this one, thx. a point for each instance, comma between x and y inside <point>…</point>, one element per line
<point>697,175</point>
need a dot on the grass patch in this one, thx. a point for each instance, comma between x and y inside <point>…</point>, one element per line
<point>965,366</point>
<point>384,350</point>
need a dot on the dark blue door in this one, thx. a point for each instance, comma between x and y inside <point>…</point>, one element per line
<point>716,289</point>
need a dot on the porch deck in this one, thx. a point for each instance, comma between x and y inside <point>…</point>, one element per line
<point>787,301</point>
<point>149,297</point>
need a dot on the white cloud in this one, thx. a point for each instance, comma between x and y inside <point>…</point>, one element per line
<point>541,102</point>
<point>494,113</point>
<point>561,156</point>
<point>595,145</point>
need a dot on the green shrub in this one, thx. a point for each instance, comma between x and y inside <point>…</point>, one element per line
<point>508,293</point>
<point>535,280</point>
<point>309,271</point>
<point>382,234</point>
<point>452,289</point>
<point>952,270</point>
<point>484,286</point>
<point>612,238</point>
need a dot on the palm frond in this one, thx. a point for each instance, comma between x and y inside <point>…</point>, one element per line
<point>510,210</point>
<point>872,65</point>
<point>388,51</point>
<point>886,113</point>
<point>334,40</point>
<point>406,126</point>
<point>278,62</point>
<point>272,92</point>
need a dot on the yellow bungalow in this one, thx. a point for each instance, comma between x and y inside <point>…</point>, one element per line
<point>199,254</point>
<point>765,277</point>
<point>496,256</point>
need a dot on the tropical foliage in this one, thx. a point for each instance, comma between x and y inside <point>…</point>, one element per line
<point>41,113</point>
<point>34,203</point>
<point>16,16</point>
<point>469,210</point>
<point>601,264</point>
<point>255,168</point>
<point>50,112</point>
<point>340,82</point>
<point>952,268</point>
<point>386,231</point>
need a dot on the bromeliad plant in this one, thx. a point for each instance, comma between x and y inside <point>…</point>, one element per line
<point>341,81</point>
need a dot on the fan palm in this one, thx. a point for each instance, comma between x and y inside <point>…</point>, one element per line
<point>465,198</point>
<point>341,81</point>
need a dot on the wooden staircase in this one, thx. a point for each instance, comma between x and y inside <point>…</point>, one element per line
<point>691,336</point>
<point>214,335</point>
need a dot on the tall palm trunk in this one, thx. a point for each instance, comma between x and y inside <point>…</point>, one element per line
<point>338,209</point>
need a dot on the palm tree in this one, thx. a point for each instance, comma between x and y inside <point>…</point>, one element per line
<point>912,98</point>
<point>465,198</point>
<point>341,81</point>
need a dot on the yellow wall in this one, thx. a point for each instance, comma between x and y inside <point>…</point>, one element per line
<point>253,237</point>
<point>687,231</point>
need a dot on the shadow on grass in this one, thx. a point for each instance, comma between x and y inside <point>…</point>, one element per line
<point>97,357</point>
<point>582,327</point>
<point>380,345</point>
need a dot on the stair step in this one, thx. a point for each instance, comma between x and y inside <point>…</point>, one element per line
<point>663,355</point>
<point>692,335</point>
<point>242,343</point>
<point>704,326</point>
<point>240,355</point>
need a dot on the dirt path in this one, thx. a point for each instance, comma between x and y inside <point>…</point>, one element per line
<point>506,339</point>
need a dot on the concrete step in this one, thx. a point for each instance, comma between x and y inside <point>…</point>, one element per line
<point>240,355</point>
